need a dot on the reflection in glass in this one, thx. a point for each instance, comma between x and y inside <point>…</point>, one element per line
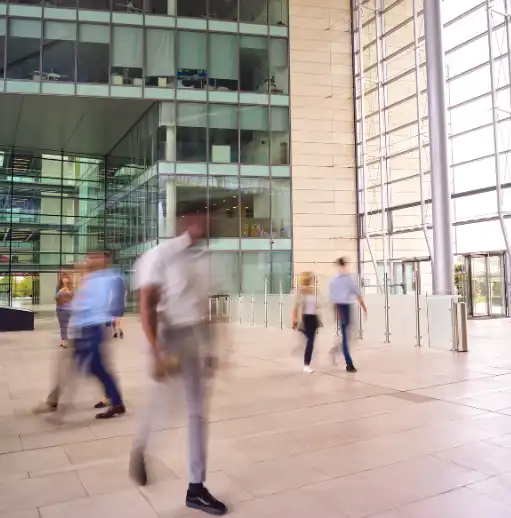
<point>127,56</point>
<point>224,210</point>
<point>23,47</point>
<point>279,135</point>
<point>191,8</point>
<point>255,11</point>
<point>225,271</point>
<point>59,51</point>
<point>223,9</point>
<point>93,54</point>
<point>278,12</point>
<point>223,133</point>
<point>280,208</point>
<point>279,71</point>
<point>254,65</point>
<point>254,137</point>
<point>128,6</point>
<point>191,132</point>
<point>223,62</point>
<point>192,60</point>
<point>255,268</point>
<point>255,207</point>
<point>160,65</point>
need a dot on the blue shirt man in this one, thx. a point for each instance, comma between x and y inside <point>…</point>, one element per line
<point>343,292</point>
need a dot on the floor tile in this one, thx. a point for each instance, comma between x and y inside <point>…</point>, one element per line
<point>57,437</point>
<point>24,461</point>
<point>498,488</point>
<point>9,444</point>
<point>123,504</point>
<point>36,492</point>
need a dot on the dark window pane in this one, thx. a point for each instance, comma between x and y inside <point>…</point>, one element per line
<point>59,51</point>
<point>255,11</point>
<point>254,66</point>
<point>23,50</point>
<point>223,133</point>
<point>93,53</point>
<point>224,207</point>
<point>191,133</point>
<point>279,141</point>
<point>223,9</point>
<point>99,5</point>
<point>191,8</point>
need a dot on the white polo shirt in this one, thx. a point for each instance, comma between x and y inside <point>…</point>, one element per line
<point>180,271</point>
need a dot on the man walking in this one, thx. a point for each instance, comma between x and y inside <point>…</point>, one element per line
<point>343,292</point>
<point>174,287</point>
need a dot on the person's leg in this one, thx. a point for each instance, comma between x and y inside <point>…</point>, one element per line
<point>344,311</point>
<point>197,497</point>
<point>310,331</point>
<point>98,369</point>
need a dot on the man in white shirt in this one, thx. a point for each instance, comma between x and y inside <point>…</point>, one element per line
<point>174,283</point>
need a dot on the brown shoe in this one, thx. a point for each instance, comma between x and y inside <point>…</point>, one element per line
<point>113,411</point>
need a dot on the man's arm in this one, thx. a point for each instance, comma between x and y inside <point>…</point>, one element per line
<point>362,303</point>
<point>149,296</point>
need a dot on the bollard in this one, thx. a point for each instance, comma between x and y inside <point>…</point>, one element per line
<point>462,328</point>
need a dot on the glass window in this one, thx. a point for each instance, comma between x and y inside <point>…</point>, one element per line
<point>192,8</point>
<point>281,272</point>
<point>60,3</point>
<point>279,139</point>
<point>23,46</point>
<point>192,59</point>
<point>160,64</point>
<point>280,208</point>
<point>254,64</point>
<point>128,6</point>
<point>224,210</point>
<point>254,135</point>
<point>59,51</point>
<point>191,132</point>
<point>223,62</point>
<point>279,71</point>
<point>99,5</point>
<point>161,7</point>
<point>223,9</point>
<point>225,272</point>
<point>223,133</point>
<point>255,11</point>
<point>3,34</point>
<point>278,12</point>
<point>255,269</point>
<point>255,207</point>
<point>191,195</point>
<point>469,86</point>
<point>127,56</point>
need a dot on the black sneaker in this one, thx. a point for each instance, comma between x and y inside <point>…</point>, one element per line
<point>351,368</point>
<point>138,470</point>
<point>115,335</point>
<point>203,501</point>
<point>101,404</point>
<point>112,411</point>
<point>121,334</point>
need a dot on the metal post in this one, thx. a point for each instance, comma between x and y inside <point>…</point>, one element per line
<point>240,308</point>
<point>281,316</point>
<point>455,324</point>
<point>265,302</point>
<point>440,184</point>
<point>386,308</point>
<point>417,309</point>
<point>462,328</point>
<point>252,310</point>
<point>360,11</point>
<point>495,120</point>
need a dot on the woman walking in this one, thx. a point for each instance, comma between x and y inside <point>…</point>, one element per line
<point>305,315</point>
<point>63,300</point>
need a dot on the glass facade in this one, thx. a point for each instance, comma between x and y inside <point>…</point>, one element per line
<point>215,139</point>
<point>393,158</point>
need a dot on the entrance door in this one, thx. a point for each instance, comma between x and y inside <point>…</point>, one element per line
<point>487,285</point>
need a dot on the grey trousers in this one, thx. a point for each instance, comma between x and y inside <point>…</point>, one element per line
<point>185,344</point>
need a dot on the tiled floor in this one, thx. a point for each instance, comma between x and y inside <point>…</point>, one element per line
<point>414,434</point>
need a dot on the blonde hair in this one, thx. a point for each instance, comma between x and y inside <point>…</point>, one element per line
<point>306,279</point>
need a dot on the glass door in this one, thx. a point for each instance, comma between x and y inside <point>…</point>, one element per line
<point>496,283</point>
<point>479,286</point>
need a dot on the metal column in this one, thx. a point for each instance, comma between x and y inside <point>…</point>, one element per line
<point>440,184</point>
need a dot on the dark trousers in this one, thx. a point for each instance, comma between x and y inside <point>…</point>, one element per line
<point>88,356</point>
<point>310,326</point>
<point>344,317</point>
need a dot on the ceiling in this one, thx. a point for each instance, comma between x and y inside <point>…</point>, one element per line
<point>74,125</point>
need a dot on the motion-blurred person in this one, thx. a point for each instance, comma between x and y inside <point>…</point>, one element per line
<point>343,292</point>
<point>119,295</point>
<point>174,288</point>
<point>305,315</point>
<point>63,300</point>
<point>91,311</point>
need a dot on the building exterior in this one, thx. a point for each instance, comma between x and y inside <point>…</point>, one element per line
<point>300,126</point>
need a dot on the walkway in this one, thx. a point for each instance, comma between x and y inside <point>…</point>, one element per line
<point>415,434</point>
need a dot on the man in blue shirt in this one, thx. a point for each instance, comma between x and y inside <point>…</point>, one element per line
<point>343,292</point>
<point>91,311</point>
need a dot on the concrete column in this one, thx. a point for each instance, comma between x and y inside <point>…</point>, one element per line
<point>443,275</point>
